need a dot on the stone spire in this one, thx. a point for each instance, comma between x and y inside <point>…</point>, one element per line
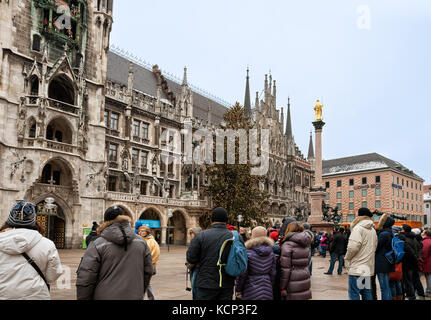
<point>247,103</point>
<point>289,122</point>
<point>311,148</point>
<point>282,119</point>
<point>185,77</point>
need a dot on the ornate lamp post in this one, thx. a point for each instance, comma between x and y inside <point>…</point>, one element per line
<point>49,206</point>
<point>169,226</point>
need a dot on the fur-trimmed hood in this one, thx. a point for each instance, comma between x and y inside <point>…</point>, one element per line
<point>363,221</point>
<point>259,241</point>
<point>385,222</point>
<point>113,230</point>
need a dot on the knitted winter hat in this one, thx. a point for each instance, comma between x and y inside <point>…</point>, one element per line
<point>365,212</point>
<point>219,215</point>
<point>22,215</point>
<point>112,213</point>
<point>274,235</point>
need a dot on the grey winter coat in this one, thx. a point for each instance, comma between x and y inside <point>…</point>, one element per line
<point>257,281</point>
<point>295,258</point>
<point>115,267</point>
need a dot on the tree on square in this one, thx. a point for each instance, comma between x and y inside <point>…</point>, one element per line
<point>232,186</point>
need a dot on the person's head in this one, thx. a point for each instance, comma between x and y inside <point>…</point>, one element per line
<point>406,228</point>
<point>112,213</point>
<point>365,212</point>
<point>219,215</point>
<point>258,232</point>
<point>294,227</point>
<point>416,231</point>
<point>306,226</point>
<point>95,226</point>
<point>341,230</point>
<point>144,231</point>
<point>194,231</point>
<point>22,215</point>
<point>274,235</point>
<point>427,233</point>
<point>336,229</point>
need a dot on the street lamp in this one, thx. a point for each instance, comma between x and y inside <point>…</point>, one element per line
<point>49,206</point>
<point>169,225</point>
<point>240,219</point>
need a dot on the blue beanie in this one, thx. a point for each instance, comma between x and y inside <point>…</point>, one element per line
<point>22,215</point>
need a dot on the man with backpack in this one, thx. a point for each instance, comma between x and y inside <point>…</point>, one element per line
<point>337,250</point>
<point>212,281</point>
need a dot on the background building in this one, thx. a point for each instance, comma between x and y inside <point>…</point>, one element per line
<point>427,206</point>
<point>375,182</point>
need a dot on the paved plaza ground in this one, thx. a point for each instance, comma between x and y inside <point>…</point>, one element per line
<point>170,281</point>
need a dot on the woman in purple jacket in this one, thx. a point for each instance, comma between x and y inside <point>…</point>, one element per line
<point>295,257</point>
<point>257,281</point>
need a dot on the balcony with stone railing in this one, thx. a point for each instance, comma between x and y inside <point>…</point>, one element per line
<point>59,146</point>
<point>127,197</point>
<point>63,106</point>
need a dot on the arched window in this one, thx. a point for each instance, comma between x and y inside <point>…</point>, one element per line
<point>57,173</point>
<point>61,89</point>
<point>36,43</point>
<point>59,130</point>
<point>34,86</point>
<point>32,128</point>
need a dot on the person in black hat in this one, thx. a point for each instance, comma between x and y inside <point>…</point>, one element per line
<point>93,234</point>
<point>117,265</point>
<point>204,251</point>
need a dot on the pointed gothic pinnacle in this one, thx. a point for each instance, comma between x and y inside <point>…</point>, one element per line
<point>66,48</point>
<point>185,77</point>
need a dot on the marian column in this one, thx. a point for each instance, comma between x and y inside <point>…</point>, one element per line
<point>318,192</point>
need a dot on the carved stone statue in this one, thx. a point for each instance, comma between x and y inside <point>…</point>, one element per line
<point>318,109</point>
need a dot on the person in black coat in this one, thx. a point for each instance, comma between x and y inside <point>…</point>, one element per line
<point>337,250</point>
<point>383,268</point>
<point>204,251</point>
<point>93,234</point>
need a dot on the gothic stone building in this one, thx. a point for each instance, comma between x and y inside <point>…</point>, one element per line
<point>85,126</point>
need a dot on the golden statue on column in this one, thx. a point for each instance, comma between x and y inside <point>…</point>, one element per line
<point>318,109</point>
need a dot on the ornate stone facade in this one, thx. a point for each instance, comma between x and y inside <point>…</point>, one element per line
<point>92,128</point>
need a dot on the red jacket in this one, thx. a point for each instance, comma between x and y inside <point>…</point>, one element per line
<point>426,254</point>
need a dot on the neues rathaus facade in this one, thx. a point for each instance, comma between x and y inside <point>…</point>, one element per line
<point>84,123</point>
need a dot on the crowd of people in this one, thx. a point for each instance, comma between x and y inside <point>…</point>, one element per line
<point>224,264</point>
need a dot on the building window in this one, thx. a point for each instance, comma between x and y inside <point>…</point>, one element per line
<point>36,43</point>
<point>339,195</point>
<point>393,191</point>
<point>416,197</point>
<point>327,196</point>
<point>144,159</point>
<point>408,217</point>
<point>350,217</point>
<point>364,192</point>
<point>113,148</point>
<point>398,192</point>
<point>420,187</point>
<point>351,206</point>
<point>114,121</point>
<point>351,182</point>
<point>408,207</point>
<point>136,125</point>
<point>427,206</point>
<point>135,157</point>
<point>398,204</point>
<point>143,187</point>
<point>107,119</point>
<point>402,205</point>
<point>377,179</point>
<point>378,204</point>
<point>407,195</point>
<point>398,180</point>
<point>402,182</point>
<point>145,130</point>
<point>338,183</point>
<point>327,184</point>
<point>403,193</point>
<point>351,194</point>
<point>407,183</point>
<point>364,180</point>
<point>112,183</point>
<point>393,204</point>
<point>378,192</point>
<point>364,204</point>
<point>416,186</point>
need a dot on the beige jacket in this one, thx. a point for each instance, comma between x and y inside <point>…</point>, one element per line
<point>360,256</point>
<point>154,249</point>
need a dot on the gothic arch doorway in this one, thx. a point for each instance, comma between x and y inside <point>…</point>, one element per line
<point>52,223</point>
<point>176,229</point>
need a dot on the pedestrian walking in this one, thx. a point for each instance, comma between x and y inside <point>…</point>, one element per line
<point>295,256</point>
<point>395,280</point>
<point>324,241</point>
<point>360,255</point>
<point>146,233</point>
<point>319,237</point>
<point>426,256</point>
<point>307,228</point>
<point>411,275</point>
<point>337,251</point>
<point>118,265</point>
<point>93,234</point>
<point>194,269</point>
<point>256,283</point>
<point>29,262</point>
<point>211,282</point>
<point>383,267</point>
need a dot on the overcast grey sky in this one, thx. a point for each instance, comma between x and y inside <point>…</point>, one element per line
<point>368,61</point>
